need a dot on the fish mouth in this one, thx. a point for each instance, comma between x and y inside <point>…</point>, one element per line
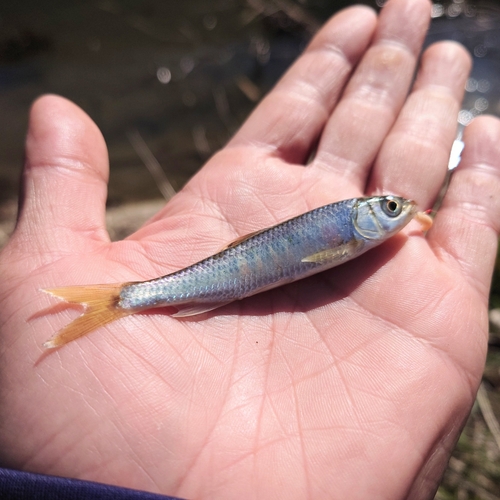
<point>411,207</point>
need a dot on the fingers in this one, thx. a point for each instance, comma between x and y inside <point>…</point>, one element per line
<point>414,158</point>
<point>466,228</point>
<point>292,116</point>
<point>375,93</point>
<point>65,178</point>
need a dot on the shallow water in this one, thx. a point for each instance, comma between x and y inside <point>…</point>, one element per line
<point>183,74</point>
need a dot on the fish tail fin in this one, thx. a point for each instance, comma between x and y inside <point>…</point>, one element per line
<point>101,308</point>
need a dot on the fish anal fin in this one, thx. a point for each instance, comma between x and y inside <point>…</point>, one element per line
<point>333,254</point>
<point>100,308</point>
<point>193,309</point>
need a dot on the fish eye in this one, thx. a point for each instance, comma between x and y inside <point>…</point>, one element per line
<point>391,207</point>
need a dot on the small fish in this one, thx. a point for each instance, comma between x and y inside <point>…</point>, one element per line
<point>292,250</point>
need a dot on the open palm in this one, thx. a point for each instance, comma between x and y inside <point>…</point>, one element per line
<point>351,384</point>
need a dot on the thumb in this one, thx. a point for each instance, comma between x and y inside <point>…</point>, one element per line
<point>64,183</point>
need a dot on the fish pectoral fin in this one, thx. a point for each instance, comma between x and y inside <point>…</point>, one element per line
<point>185,310</point>
<point>332,254</point>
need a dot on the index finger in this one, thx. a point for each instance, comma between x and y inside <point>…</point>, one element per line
<point>292,116</point>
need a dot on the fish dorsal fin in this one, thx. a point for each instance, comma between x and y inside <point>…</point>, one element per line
<point>331,254</point>
<point>243,238</point>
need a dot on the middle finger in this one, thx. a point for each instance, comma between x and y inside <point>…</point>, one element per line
<point>375,94</point>
<point>413,160</point>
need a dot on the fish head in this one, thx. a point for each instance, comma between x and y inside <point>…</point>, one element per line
<point>379,217</point>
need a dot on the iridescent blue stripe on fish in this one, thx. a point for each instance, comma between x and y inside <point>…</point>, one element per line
<point>299,247</point>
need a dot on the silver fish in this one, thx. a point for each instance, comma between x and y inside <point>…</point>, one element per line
<point>289,251</point>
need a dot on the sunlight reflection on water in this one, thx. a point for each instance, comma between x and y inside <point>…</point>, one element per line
<point>184,78</point>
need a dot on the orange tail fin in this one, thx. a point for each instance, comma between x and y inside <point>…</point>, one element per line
<point>100,302</point>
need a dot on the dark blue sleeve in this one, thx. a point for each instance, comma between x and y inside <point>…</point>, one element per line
<point>15,485</point>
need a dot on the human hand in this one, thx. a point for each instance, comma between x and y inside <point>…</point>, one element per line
<point>351,384</point>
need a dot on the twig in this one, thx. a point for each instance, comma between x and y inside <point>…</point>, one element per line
<point>200,141</point>
<point>299,15</point>
<point>123,220</point>
<point>479,491</point>
<point>291,9</point>
<point>223,108</point>
<point>494,317</point>
<point>151,163</point>
<point>489,417</point>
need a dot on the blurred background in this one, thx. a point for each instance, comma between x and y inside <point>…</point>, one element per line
<point>169,82</point>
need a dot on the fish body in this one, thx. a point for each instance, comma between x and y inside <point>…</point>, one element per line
<point>292,250</point>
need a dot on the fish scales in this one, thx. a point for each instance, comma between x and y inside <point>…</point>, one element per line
<point>273,256</point>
